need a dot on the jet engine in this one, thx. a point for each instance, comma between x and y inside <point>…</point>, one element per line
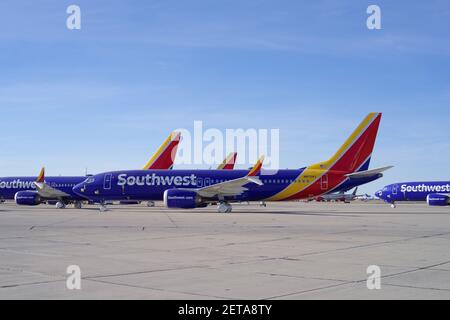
<point>27,198</point>
<point>437,199</point>
<point>182,199</point>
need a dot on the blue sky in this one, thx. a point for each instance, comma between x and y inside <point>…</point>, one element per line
<point>105,96</point>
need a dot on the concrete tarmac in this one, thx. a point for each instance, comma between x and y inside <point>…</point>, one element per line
<point>285,251</point>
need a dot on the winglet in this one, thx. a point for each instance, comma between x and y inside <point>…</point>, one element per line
<point>165,156</point>
<point>257,168</point>
<point>41,177</point>
<point>229,162</point>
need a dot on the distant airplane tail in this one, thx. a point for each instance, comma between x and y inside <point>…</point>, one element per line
<point>41,177</point>
<point>354,155</point>
<point>165,156</point>
<point>229,162</point>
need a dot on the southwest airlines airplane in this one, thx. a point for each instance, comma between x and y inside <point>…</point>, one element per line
<point>59,190</point>
<point>435,193</point>
<point>186,189</point>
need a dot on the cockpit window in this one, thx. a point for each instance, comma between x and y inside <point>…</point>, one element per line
<point>89,180</point>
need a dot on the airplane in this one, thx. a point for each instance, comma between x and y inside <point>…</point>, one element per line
<point>33,191</point>
<point>435,193</point>
<point>227,164</point>
<point>365,197</point>
<point>188,189</point>
<point>339,196</point>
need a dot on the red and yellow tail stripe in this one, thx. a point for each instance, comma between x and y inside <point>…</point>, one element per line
<point>322,177</point>
<point>229,162</point>
<point>257,168</point>
<point>41,177</point>
<point>165,156</point>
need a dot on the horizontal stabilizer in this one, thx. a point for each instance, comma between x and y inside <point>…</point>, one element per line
<point>368,173</point>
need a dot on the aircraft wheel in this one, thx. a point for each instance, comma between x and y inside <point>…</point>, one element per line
<point>393,206</point>
<point>103,208</point>
<point>151,204</point>
<point>77,205</point>
<point>224,208</point>
<point>60,205</point>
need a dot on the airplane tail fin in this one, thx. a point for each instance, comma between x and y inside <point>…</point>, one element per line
<point>165,156</point>
<point>229,162</point>
<point>41,177</point>
<point>354,155</point>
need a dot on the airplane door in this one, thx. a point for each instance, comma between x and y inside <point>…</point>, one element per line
<point>107,182</point>
<point>324,182</point>
<point>199,182</point>
<point>394,189</point>
<point>207,182</point>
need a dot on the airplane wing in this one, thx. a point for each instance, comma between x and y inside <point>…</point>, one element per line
<point>45,190</point>
<point>165,156</point>
<point>233,187</point>
<point>367,173</point>
<point>229,162</point>
<point>229,188</point>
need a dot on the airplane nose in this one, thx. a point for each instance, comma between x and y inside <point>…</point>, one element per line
<point>79,189</point>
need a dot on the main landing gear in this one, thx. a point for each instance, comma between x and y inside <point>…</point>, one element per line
<point>103,207</point>
<point>224,207</point>
<point>263,204</point>
<point>60,205</point>
<point>151,204</point>
<point>77,205</point>
<point>393,206</point>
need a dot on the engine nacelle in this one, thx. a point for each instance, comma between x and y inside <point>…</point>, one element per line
<point>182,199</point>
<point>27,198</point>
<point>437,199</point>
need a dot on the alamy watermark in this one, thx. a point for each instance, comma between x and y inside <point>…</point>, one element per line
<point>210,146</point>
<point>73,281</point>
<point>73,21</point>
<point>374,20</point>
<point>374,277</point>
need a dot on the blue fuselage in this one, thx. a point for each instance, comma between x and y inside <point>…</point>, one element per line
<point>412,191</point>
<point>151,185</point>
<point>9,186</point>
